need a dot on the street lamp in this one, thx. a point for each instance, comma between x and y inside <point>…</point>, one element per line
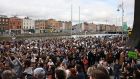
<point>71,17</point>
<point>122,9</point>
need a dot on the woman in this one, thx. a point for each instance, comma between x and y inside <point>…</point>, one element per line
<point>85,62</point>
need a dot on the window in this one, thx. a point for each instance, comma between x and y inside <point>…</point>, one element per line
<point>6,20</point>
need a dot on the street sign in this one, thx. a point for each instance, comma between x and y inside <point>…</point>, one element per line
<point>125,27</point>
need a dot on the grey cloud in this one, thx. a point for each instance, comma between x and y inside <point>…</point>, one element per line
<point>60,9</point>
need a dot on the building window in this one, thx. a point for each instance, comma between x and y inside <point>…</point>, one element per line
<point>6,20</point>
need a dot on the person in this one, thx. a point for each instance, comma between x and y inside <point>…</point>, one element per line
<point>28,69</point>
<point>50,63</point>
<point>91,60</point>
<point>16,65</point>
<point>85,62</point>
<point>72,74</point>
<point>80,73</point>
<point>137,72</point>
<point>89,71</point>
<point>60,74</point>
<point>7,74</point>
<point>117,68</point>
<point>39,73</point>
<point>98,74</point>
<point>104,71</point>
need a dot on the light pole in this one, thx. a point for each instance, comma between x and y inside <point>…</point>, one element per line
<point>122,8</point>
<point>71,17</point>
<point>79,18</point>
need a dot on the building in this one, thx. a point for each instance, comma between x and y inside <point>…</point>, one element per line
<point>113,28</point>
<point>15,24</point>
<point>28,25</point>
<point>66,26</point>
<point>119,28</point>
<point>55,25</point>
<point>40,26</point>
<point>4,24</point>
<point>102,27</point>
<point>107,28</point>
<point>88,27</point>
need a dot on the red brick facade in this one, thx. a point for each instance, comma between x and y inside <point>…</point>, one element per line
<point>15,23</point>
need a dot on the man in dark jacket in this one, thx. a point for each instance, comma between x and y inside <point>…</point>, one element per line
<point>91,58</point>
<point>117,70</point>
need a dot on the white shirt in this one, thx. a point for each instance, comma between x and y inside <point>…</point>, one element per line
<point>29,70</point>
<point>50,63</point>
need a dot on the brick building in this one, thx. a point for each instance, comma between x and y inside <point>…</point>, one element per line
<point>91,27</point>
<point>55,25</point>
<point>4,23</point>
<point>40,24</point>
<point>15,24</point>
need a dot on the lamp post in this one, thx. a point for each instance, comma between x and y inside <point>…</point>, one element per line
<point>122,9</point>
<point>71,17</point>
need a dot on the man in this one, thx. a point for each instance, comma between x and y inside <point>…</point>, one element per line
<point>16,65</point>
<point>117,70</point>
<point>91,58</point>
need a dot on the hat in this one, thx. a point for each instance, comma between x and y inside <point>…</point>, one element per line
<point>39,73</point>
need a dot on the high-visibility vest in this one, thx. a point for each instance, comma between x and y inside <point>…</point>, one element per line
<point>129,32</point>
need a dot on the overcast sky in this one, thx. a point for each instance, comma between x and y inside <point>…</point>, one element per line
<point>97,11</point>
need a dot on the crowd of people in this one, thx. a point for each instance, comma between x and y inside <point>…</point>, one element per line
<point>67,58</point>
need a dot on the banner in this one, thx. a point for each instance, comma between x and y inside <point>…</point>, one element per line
<point>132,54</point>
